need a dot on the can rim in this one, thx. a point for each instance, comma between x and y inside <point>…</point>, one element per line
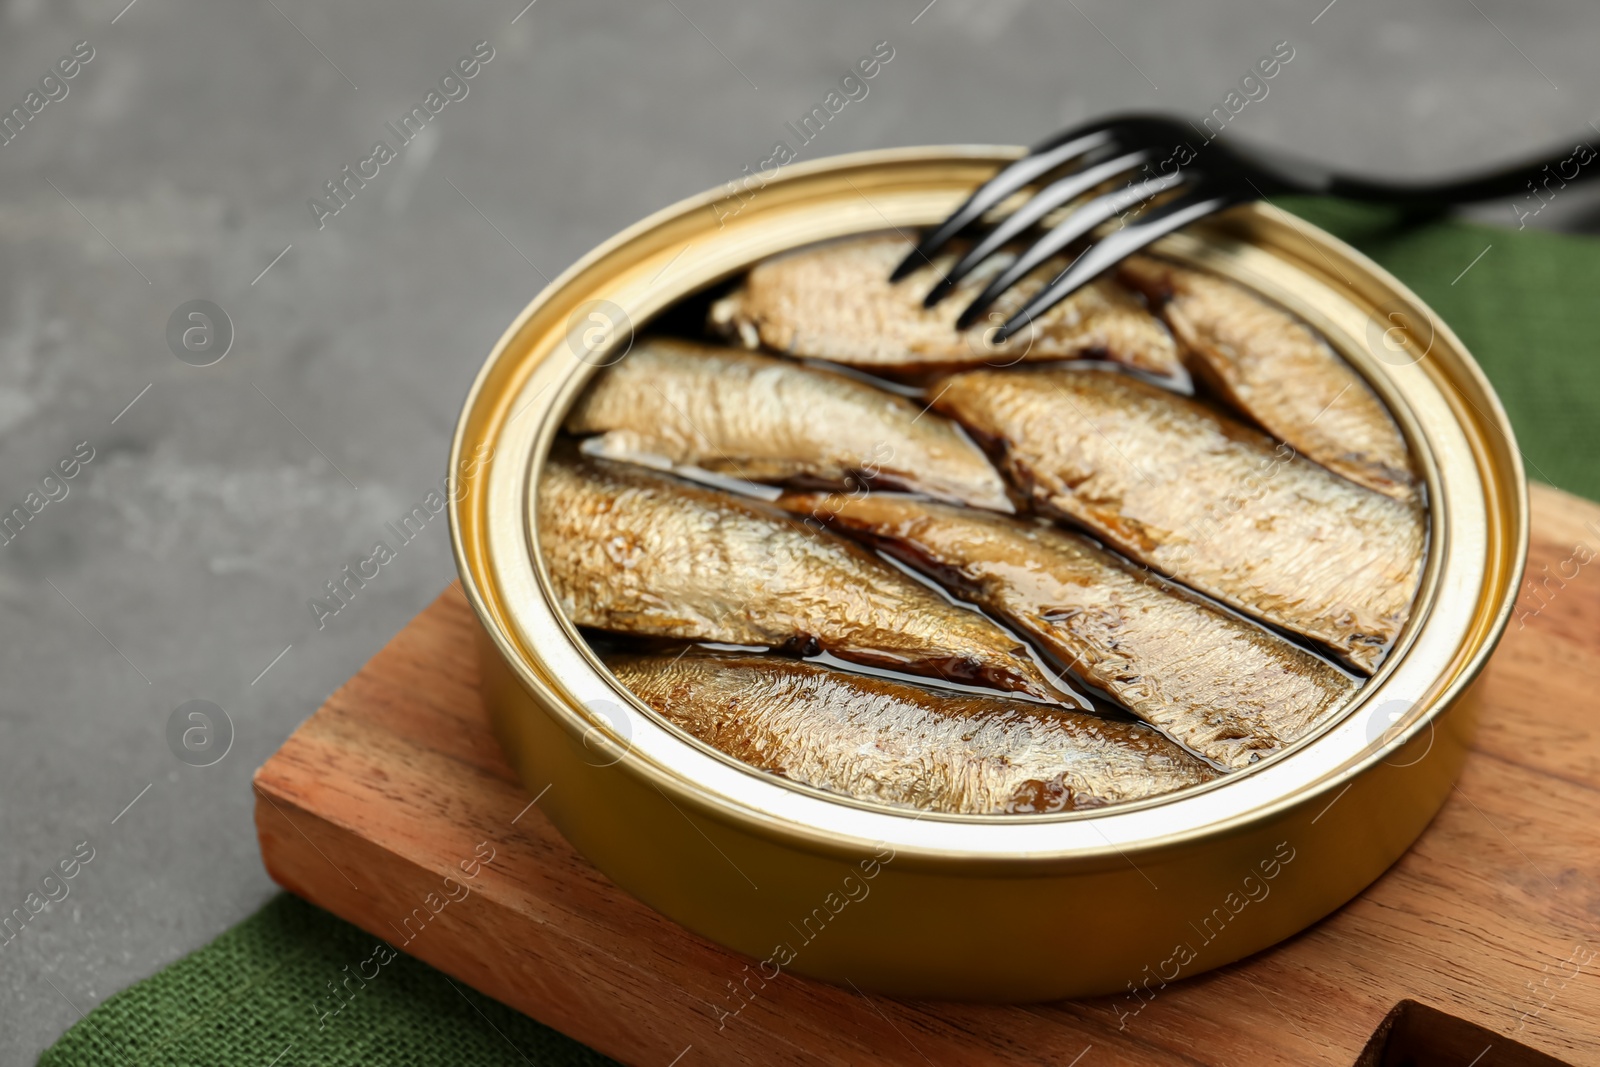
<point>1477,641</point>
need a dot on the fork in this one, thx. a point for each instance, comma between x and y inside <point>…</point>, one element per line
<point>1207,179</point>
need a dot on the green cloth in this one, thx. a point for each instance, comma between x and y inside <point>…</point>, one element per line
<point>260,995</point>
<point>255,995</point>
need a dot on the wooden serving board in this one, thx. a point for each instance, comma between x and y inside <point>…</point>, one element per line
<point>1493,917</point>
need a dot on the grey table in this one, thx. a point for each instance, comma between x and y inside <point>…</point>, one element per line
<point>179,165</point>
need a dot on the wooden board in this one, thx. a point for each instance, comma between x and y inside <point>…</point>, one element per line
<point>1493,917</point>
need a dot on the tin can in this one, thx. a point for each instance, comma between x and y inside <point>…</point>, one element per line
<point>1003,908</point>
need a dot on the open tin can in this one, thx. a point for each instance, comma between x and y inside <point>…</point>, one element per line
<point>993,907</point>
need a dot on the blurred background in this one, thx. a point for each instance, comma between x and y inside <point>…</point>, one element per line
<point>179,165</point>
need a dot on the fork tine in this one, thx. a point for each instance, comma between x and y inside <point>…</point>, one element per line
<point>1012,178</point>
<point>1045,201</point>
<point>1071,228</point>
<point>1196,204</point>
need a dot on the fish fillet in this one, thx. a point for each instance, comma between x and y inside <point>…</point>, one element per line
<point>1205,500</point>
<point>834,301</point>
<point>765,419</point>
<point>638,552</point>
<point>1279,373</point>
<point>899,744</point>
<point>1218,684</point>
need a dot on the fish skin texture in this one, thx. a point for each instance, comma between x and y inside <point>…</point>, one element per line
<point>1218,684</point>
<point>894,743</point>
<point>1205,500</point>
<point>1278,373</point>
<point>634,551</point>
<point>767,419</point>
<point>834,301</point>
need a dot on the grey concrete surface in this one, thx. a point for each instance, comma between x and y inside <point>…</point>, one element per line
<point>179,166</point>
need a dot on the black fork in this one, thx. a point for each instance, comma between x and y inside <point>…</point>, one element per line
<point>1151,156</point>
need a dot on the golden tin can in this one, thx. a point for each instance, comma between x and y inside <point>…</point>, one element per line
<point>1028,907</point>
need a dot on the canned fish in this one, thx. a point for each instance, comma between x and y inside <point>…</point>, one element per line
<point>1004,891</point>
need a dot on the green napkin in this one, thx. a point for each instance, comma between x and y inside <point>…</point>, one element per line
<point>264,994</point>
<point>257,995</point>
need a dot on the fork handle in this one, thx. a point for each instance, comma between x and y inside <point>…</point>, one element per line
<point>1540,178</point>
